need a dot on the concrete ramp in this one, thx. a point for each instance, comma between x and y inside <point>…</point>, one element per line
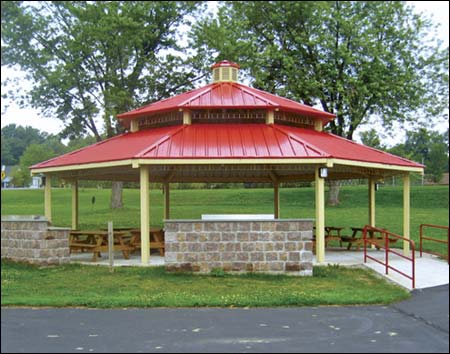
<point>430,270</point>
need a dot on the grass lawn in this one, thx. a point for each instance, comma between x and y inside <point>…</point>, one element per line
<point>91,286</point>
<point>429,205</point>
<point>77,285</point>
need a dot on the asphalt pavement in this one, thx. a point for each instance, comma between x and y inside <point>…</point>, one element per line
<point>420,324</point>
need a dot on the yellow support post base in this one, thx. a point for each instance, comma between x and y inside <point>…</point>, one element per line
<point>320,217</point>
<point>145,215</point>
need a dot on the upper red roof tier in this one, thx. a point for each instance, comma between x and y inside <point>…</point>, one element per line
<point>225,141</point>
<point>227,95</point>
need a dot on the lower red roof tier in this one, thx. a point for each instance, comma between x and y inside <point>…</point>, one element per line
<point>225,141</point>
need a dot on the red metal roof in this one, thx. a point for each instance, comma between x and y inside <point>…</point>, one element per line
<point>225,63</point>
<point>225,141</point>
<point>229,95</point>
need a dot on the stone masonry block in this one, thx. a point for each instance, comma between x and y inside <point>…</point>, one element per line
<point>268,226</point>
<point>243,236</point>
<point>306,235</point>
<point>271,256</point>
<point>294,236</point>
<point>198,227</point>
<point>170,226</point>
<point>191,236</point>
<point>186,227</point>
<point>276,266</point>
<point>279,236</point>
<point>292,267</point>
<point>294,256</point>
<point>170,236</point>
<point>306,256</point>
<point>228,236</point>
<point>257,257</point>
<point>255,226</point>
<point>243,226</point>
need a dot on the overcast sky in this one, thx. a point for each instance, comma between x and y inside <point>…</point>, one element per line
<point>437,10</point>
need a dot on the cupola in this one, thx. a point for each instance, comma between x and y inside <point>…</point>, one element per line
<point>225,71</point>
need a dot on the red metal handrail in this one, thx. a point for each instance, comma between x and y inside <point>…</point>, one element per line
<point>435,240</point>
<point>387,236</point>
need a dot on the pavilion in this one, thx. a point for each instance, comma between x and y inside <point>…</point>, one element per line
<point>228,132</point>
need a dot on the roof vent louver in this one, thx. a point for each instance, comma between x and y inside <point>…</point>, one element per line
<point>225,71</point>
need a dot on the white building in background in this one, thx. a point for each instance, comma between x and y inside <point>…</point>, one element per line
<point>36,182</point>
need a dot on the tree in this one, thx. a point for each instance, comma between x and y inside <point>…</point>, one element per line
<point>431,149</point>
<point>364,61</point>
<point>371,138</point>
<point>33,154</point>
<point>15,139</point>
<point>90,61</point>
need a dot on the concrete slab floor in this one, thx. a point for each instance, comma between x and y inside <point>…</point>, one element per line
<point>119,260</point>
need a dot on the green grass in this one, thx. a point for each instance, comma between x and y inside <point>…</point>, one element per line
<point>91,286</point>
<point>429,205</point>
<point>95,286</point>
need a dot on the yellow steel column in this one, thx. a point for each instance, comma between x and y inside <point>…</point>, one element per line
<point>320,218</point>
<point>276,200</point>
<point>406,212</point>
<point>134,126</point>
<point>48,197</point>
<point>74,205</point>
<point>270,117</point>
<point>372,202</point>
<point>187,117</point>
<point>318,125</point>
<point>166,201</point>
<point>145,215</point>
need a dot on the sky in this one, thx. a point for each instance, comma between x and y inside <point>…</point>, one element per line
<point>438,11</point>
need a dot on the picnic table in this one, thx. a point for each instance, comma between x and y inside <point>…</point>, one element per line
<point>332,233</point>
<point>96,241</point>
<point>156,239</point>
<point>357,238</point>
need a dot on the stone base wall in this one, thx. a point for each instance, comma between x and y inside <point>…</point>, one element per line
<point>269,246</point>
<point>30,239</point>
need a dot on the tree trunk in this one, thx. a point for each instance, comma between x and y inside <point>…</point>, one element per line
<point>116,195</point>
<point>333,194</point>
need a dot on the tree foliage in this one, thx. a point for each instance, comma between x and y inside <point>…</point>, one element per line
<point>15,139</point>
<point>92,60</point>
<point>422,145</point>
<point>33,154</point>
<point>361,60</point>
<point>364,61</point>
<point>429,148</point>
<point>371,138</point>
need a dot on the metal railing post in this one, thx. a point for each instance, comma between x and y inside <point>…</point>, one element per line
<point>386,234</point>
<point>365,244</point>
<point>386,246</point>
<point>420,239</point>
<point>413,264</point>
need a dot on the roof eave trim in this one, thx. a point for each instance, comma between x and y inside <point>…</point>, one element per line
<point>378,165</point>
<point>85,166</point>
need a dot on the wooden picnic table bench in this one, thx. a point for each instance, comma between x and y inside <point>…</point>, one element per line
<point>156,239</point>
<point>332,233</point>
<point>357,238</point>
<point>96,241</point>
